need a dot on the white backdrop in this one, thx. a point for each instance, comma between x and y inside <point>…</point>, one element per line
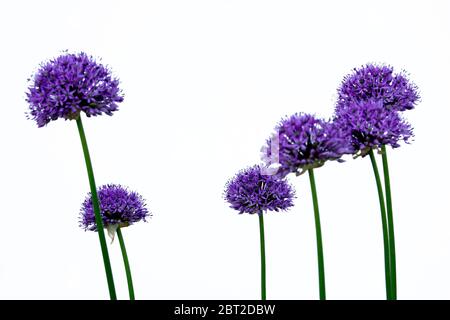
<point>205,83</point>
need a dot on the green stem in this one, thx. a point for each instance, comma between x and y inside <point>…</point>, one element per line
<point>387,266</point>
<point>98,218</point>
<point>318,236</point>
<point>126,263</point>
<point>390,217</point>
<point>263,256</point>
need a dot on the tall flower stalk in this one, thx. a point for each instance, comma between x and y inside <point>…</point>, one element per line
<point>369,106</point>
<point>96,210</point>
<point>320,260</point>
<point>390,217</point>
<point>304,143</point>
<point>384,225</point>
<point>126,264</point>
<point>119,208</point>
<point>64,88</point>
<point>252,191</point>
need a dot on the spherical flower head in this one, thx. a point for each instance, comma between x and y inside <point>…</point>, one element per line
<point>70,84</point>
<point>369,125</point>
<point>379,83</point>
<point>305,142</point>
<point>250,191</point>
<point>118,207</point>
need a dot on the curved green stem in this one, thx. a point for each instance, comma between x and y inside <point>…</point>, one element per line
<point>126,263</point>
<point>390,217</point>
<point>263,256</point>
<point>320,259</point>
<point>98,218</point>
<point>387,266</point>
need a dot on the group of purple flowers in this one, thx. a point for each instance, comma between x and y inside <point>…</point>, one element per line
<point>66,87</point>
<point>367,117</point>
<point>63,88</point>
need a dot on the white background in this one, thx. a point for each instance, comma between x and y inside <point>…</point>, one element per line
<point>205,83</point>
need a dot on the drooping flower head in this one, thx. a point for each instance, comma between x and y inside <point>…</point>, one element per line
<point>70,84</point>
<point>369,125</point>
<point>378,83</point>
<point>118,207</point>
<point>250,191</point>
<point>305,142</point>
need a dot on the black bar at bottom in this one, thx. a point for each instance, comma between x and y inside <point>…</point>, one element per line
<point>223,309</point>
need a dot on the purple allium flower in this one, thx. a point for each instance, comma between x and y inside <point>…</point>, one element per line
<point>379,83</point>
<point>370,125</point>
<point>69,84</point>
<point>306,142</point>
<point>250,191</point>
<point>118,207</point>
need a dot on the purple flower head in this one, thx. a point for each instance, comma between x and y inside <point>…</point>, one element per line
<point>370,125</point>
<point>378,83</point>
<point>69,84</point>
<point>118,206</point>
<point>251,191</point>
<point>305,142</point>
